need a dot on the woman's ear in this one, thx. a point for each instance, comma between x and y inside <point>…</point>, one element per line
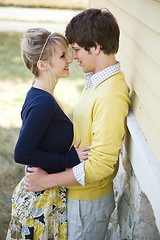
<point>41,65</point>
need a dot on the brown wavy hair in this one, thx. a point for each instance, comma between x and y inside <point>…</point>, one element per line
<point>94,26</point>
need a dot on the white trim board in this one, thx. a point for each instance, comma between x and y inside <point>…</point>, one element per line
<point>145,166</point>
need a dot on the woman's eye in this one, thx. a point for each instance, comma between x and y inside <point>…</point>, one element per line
<point>63,55</point>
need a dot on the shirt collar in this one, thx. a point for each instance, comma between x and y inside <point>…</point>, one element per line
<point>93,80</point>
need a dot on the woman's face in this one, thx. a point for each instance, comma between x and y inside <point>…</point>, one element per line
<point>60,62</point>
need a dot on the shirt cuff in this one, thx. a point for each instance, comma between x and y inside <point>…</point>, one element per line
<point>79,173</point>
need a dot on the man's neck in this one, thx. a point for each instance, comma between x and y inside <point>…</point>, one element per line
<point>104,61</point>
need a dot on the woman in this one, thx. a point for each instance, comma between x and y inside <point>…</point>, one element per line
<point>44,141</point>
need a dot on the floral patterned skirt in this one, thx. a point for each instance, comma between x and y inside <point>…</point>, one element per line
<point>38,215</point>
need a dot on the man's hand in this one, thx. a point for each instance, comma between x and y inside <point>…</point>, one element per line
<point>35,179</point>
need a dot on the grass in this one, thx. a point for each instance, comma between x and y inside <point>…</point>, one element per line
<point>10,174</point>
<point>15,81</point>
<point>69,4</point>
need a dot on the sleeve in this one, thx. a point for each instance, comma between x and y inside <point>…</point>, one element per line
<point>108,129</point>
<point>79,173</point>
<point>26,150</point>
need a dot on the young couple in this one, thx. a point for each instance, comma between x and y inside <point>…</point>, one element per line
<point>46,143</point>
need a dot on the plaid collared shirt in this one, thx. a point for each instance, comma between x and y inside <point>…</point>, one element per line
<point>93,80</point>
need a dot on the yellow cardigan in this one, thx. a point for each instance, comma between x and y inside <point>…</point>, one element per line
<point>99,120</point>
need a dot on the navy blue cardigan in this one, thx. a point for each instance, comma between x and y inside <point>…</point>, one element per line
<point>46,134</point>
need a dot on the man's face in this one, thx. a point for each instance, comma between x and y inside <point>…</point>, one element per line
<point>85,59</point>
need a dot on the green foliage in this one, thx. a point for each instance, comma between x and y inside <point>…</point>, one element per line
<point>11,67</point>
<point>69,4</point>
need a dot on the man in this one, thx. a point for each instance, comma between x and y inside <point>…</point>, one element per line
<point>99,121</point>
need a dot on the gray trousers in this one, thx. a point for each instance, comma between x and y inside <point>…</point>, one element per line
<point>89,219</point>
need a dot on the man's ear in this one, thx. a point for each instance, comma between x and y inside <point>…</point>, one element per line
<point>97,48</point>
<point>41,65</point>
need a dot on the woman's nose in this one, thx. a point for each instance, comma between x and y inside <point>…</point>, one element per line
<point>69,60</point>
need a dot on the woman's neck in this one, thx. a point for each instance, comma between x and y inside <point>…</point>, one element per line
<point>44,84</point>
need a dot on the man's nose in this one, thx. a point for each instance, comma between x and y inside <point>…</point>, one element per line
<point>74,55</point>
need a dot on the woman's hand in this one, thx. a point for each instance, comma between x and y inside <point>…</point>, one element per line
<point>35,179</point>
<point>82,152</point>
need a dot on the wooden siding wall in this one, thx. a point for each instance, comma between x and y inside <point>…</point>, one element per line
<point>139,54</point>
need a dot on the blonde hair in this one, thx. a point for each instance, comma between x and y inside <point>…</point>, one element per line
<point>39,44</point>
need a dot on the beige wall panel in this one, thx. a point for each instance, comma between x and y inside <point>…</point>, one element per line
<point>148,68</point>
<point>143,75</point>
<point>100,4</point>
<point>143,91</point>
<point>127,68</point>
<point>141,9</point>
<point>146,11</point>
<point>145,37</point>
<point>146,124</point>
